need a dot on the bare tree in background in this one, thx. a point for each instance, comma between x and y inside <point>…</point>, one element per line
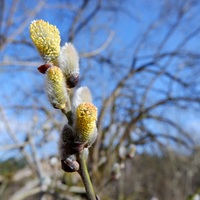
<point>142,62</point>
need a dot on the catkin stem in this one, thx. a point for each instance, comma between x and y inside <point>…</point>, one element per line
<point>83,171</point>
<point>69,115</point>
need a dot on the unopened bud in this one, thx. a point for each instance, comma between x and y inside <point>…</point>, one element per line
<point>70,164</point>
<point>55,87</point>
<point>131,151</point>
<point>68,61</point>
<point>116,171</point>
<point>67,151</point>
<point>53,161</point>
<point>67,144</point>
<point>85,123</point>
<point>122,165</point>
<point>67,134</point>
<point>46,38</point>
<point>43,68</point>
<point>122,152</point>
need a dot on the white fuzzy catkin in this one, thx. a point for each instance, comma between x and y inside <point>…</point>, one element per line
<point>68,60</point>
<point>82,95</point>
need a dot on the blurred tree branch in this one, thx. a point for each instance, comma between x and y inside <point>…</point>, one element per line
<point>145,76</point>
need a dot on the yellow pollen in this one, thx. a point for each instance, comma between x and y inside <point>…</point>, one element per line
<point>46,38</point>
<point>86,120</point>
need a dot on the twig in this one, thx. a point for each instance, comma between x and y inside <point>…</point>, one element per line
<point>83,171</point>
<point>69,115</point>
<point>23,25</point>
<point>14,138</point>
<point>9,61</point>
<point>101,48</point>
<point>13,146</point>
<point>36,159</point>
<point>26,193</point>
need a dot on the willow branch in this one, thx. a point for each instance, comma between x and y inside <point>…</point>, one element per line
<point>83,171</point>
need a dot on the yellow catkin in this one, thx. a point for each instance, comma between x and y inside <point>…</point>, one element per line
<point>55,87</point>
<point>46,38</point>
<point>86,117</point>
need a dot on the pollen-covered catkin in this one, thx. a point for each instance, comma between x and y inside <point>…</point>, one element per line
<point>55,88</point>
<point>85,123</point>
<point>46,38</point>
